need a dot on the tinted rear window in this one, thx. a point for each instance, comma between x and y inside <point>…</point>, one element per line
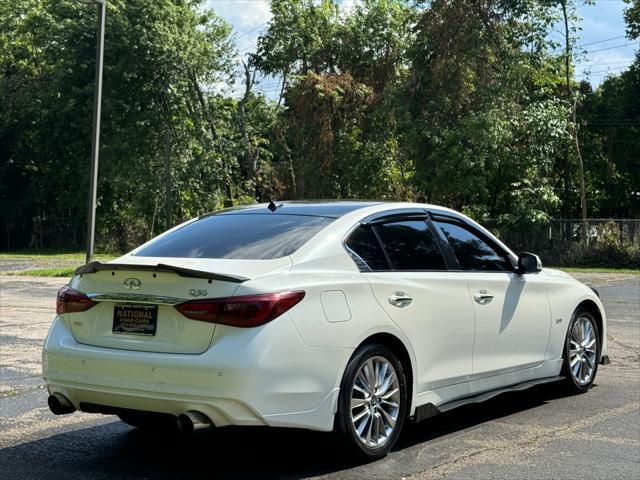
<point>365,249</point>
<point>411,246</point>
<point>247,236</point>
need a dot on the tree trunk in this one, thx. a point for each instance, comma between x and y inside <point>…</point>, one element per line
<point>574,127</point>
<point>284,85</point>
<point>566,170</point>
<point>583,195</point>
<point>249,163</point>
<point>226,183</point>
<point>167,177</point>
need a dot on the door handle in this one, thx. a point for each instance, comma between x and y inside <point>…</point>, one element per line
<point>483,297</point>
<point>400,299</point>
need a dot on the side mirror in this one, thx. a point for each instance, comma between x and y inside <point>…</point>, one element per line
<point>528,263</point>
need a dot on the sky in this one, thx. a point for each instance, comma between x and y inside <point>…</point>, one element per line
<point>604,23</point>
<point>602,36</point>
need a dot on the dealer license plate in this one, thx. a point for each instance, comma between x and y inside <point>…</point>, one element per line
<point>135,319</point>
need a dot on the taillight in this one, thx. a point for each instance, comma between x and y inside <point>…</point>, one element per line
<point>70,300</point>
<point>243,311</point>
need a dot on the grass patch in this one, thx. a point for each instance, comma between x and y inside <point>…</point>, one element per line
<point>632,271</point>
<point>45,272</point>
<point>77,256</point>
<point>46,263</point>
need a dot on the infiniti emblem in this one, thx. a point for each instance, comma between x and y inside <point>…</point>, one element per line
<point>132,284</point>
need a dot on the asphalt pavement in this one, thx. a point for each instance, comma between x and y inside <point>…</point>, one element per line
<point>536,434</point>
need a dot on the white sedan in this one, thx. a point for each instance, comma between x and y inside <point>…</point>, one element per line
<point>344,316</point>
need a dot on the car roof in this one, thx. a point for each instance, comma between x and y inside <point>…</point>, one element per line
<point>316,208</point>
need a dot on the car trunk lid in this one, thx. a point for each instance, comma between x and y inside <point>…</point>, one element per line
<point>136,300</point>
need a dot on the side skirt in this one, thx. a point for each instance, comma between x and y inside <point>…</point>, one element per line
<point>430,410</point>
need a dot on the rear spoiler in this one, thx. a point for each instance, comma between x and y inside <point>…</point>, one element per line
<point>94,267</point>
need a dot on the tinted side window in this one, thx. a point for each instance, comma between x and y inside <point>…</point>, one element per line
<point>473,253</point>
<point>365,249</point>
<point>411,246</point>
<point>247,236</point>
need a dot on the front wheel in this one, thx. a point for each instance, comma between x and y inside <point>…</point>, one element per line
<point>581,352</point>
<point>373,402</point>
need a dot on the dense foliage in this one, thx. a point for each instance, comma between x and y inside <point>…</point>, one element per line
<point>467,103</point>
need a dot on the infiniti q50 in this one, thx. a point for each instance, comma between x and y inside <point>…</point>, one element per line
<point>347,316</point>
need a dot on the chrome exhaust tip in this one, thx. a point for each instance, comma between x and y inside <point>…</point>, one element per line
<point>191,422</point>
<point>59,404</point>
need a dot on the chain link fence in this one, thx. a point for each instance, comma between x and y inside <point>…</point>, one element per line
<point>602,242</point>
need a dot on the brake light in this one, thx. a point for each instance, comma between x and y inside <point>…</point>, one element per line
<point>70,300</point>
<point>243,311</point>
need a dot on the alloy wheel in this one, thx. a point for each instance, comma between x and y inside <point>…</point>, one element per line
<point>375,401</point>
<point>583,350</point>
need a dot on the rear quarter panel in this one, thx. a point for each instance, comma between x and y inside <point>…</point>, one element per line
<point>313,320</point>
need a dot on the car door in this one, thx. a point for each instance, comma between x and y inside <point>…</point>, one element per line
<point>403,262</point>
<point>512,311</point>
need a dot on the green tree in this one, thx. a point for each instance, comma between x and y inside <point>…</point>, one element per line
<point>338,123</point>
<point>160,60</point>
<point>611,115</point>
<point>374,41</point>
<point>632,17</point>
<point>485,123</point>
<point>611,119</point>
<point>467,103</point>
<point>300,38</point>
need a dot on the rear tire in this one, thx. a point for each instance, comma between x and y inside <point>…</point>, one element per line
<point>372,404</point>
<point>581,352</point>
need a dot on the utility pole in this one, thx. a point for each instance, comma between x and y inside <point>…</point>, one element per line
<point>95,137</point>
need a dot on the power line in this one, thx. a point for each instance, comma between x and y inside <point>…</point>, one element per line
<point>249,47</point>
<point>266,90</point>
<point>252,30</point>
<point>611,48</point>
<point>602,41</point>
<point>586,74</point>
<point>557,34</point>
<point>595,62</point>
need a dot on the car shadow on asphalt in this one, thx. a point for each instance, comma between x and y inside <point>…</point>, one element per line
<point>469,416</point>
<point>115,450</point>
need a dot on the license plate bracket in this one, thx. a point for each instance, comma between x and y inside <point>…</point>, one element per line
<point>135,319</point>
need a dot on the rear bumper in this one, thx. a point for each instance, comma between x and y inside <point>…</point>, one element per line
<point>262,376</point>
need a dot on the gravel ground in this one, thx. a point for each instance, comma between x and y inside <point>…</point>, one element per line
<point>23,264</point>
<point>539,433</point>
